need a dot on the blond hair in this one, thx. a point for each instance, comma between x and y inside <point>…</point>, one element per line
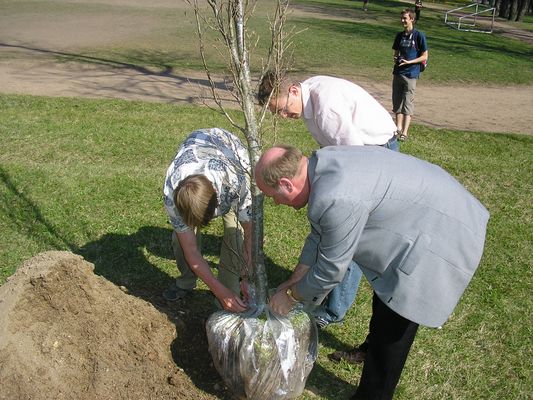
<point>285,166</point>
<point>196,200</point>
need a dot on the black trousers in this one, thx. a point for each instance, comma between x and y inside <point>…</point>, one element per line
<point>390,340</point>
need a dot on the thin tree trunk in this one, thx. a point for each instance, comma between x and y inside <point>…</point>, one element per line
<point>229,20</point>
<point>524,5</point>
<point>497,5</point>
<point>239,53</point>
<point>513,12</point>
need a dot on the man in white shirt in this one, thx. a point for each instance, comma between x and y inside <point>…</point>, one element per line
<point>335,111</point>
<point>208,178</point>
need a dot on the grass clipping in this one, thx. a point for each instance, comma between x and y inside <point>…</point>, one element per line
<point>261,355</point>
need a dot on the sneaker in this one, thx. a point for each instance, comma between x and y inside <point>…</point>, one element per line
<point>323,323</point>
<point>174,294</point>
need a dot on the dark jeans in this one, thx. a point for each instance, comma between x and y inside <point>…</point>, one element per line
<point>341,298</point>
<point>390,340</point>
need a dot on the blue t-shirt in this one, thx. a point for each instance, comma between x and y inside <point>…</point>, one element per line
<point>409,46</point>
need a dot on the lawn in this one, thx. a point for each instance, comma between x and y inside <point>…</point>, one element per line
<point>86,175</point>
<point>362,45</point>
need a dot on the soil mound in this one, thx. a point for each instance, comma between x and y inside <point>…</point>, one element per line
<point>66,333</point>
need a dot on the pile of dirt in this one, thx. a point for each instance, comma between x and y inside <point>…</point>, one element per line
<point>66,333</point>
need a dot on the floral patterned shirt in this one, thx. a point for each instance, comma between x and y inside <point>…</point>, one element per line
<point>222,158</point>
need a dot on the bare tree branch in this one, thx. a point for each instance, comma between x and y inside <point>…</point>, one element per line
<point>229,20</point>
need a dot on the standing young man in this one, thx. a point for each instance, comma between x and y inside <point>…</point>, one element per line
<point>410,52</point>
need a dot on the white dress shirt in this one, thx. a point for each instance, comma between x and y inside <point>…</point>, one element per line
<point>339,112</point>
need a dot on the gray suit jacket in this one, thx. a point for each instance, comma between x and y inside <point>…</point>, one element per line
<point>416,233</point>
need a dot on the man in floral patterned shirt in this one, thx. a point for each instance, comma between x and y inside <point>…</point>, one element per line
<point>208,178</point>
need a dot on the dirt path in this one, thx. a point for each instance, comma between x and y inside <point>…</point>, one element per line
<point>476,108</point>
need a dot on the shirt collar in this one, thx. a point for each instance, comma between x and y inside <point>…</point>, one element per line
<point>306,103</point>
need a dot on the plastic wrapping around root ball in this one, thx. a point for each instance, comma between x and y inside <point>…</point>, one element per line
<point>261,355</point>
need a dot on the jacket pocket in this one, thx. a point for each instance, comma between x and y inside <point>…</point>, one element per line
<point>415,254</point>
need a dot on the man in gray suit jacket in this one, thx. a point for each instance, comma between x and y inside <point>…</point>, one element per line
<point>416,233</point>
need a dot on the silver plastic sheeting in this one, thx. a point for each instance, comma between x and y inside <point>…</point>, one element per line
<point>261,355</point>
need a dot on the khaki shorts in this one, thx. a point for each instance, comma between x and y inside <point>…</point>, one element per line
<point>403,95</point>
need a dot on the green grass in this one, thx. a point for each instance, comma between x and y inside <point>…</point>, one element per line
<point>86,175</point>
<point>165,38</point>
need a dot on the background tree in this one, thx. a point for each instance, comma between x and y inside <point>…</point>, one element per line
<point>513,10</point>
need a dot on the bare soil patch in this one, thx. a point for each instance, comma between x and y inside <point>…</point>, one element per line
<point>66,333</point>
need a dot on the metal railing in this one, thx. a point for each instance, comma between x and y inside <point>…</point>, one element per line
<point>459,18</point>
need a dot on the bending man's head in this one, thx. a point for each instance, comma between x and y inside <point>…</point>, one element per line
<point>281,173</point>
<point>285,95</point>
<point>196,200</point>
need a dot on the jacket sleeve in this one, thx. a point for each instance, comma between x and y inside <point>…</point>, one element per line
<point>330,247</point>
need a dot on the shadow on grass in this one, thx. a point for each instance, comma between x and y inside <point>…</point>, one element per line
<point>25,215</point>
<point>125,260</point>
<point>157,59</point>
<point>128,260</point>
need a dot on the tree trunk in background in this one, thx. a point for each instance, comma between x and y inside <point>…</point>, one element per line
<point>525,5</point>
<point>513,12</point>
<point>505,6</point>
<point>497,5</point>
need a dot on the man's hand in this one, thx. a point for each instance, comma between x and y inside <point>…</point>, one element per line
<point>298,274</point>
<point>281,303</point>
<point>230,301</point>
<point>403,62</point>
<point>285,286</point>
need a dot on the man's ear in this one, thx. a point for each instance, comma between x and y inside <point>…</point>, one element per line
<point>294,89</point>
<point>286,184</point>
